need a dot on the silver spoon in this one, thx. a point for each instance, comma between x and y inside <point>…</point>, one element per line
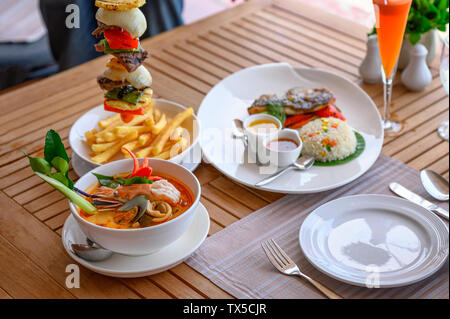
<point>303,163</point>
<point>238,132</point>
<point>91,251</point>
<point>435,185</point>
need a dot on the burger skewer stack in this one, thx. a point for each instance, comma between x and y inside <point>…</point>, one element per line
<point>126,81</point>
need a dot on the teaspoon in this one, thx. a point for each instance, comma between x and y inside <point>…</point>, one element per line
<point>435,185</point>
<point>238,132</point>
<point>303,163</point>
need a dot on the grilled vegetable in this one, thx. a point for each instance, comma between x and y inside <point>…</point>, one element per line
<point>330,111</point>
<point>108,49</point>
<point>125,93</point>
<point>120,39</point>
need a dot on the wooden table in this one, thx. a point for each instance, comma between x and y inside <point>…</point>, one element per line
<point>186,63</point>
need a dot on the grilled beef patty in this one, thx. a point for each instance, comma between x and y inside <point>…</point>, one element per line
<point>108,85</point>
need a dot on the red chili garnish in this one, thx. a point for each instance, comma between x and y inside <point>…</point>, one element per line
<point>155,178</point>
<point>135,161</point>
<point>142,171</point>
<point>144,163</point>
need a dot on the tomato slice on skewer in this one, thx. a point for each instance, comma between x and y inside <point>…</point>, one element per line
<point>120,39</point>
<point>127,116</point>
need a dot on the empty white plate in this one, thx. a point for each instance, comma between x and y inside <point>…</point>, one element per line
<point>231,98</point>
<point>133,267</point>
<point>374,241</point>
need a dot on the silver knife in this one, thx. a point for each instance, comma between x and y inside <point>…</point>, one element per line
<point>413,197</point>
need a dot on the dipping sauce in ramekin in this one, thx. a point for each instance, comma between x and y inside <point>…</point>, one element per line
<point>264,126</point>
<point>282,145</point>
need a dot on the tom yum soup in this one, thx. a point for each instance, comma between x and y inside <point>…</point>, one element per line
<point>264,126</point>
<point>138,200</point>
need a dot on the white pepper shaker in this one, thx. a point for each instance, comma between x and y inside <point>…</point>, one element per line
<point>417,75</point>
<point>370,69</point>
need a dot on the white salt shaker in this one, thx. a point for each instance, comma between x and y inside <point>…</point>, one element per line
<point>417,75</point>
<point>370,69</point>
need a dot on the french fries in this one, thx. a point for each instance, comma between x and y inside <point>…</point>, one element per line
<point>159,143</point>
<point>153,134</point>
<point>158,127</point>
<point>109,121</point>
<point>174,150</point>
<point>109,153</point>
<point>145,139</point>
<point>90,136</point>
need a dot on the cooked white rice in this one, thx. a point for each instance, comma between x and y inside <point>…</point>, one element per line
<point>328,139</point>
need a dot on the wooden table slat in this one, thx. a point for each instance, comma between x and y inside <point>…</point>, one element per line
<point>185,64</point>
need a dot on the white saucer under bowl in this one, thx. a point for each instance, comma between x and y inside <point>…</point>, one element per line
<point>375,241</point>
<point>122,266</point>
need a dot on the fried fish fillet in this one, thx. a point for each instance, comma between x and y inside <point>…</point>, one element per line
<point>295,101</point>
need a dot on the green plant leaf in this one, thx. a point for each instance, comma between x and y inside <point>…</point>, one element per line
<point>414,38</point>
<point>277,110</point>
<point>39,165</point>
<point>107,181</point>
<point>54,147</point>
<point>360,147</point>
<point>60,177</point>
<point>60,164</point>
<point>424,16</point>
<point>137,180</point>
<point>111,182</point>
<point>71,185</point>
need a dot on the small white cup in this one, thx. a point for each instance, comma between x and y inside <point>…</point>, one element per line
<point>255,139</point>
<point>281,158</point>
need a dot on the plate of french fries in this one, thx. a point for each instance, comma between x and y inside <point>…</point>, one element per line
<point>166,131</point>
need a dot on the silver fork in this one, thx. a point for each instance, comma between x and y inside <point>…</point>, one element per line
<point>285,265</point>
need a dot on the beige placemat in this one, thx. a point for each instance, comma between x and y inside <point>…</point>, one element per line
<point>233,258</point>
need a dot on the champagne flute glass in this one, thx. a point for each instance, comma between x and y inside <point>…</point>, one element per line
<point>391,20</point>
<point>443,128</point>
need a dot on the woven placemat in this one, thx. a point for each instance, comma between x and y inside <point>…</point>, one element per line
<point>234,261</point>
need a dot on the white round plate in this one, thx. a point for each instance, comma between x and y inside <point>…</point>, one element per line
<point>230,99</point>
<point>89,121</point>
<point>374,241</point>
<point>121,266</point>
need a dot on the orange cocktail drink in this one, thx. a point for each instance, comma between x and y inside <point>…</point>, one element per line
<point>391,20</point>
